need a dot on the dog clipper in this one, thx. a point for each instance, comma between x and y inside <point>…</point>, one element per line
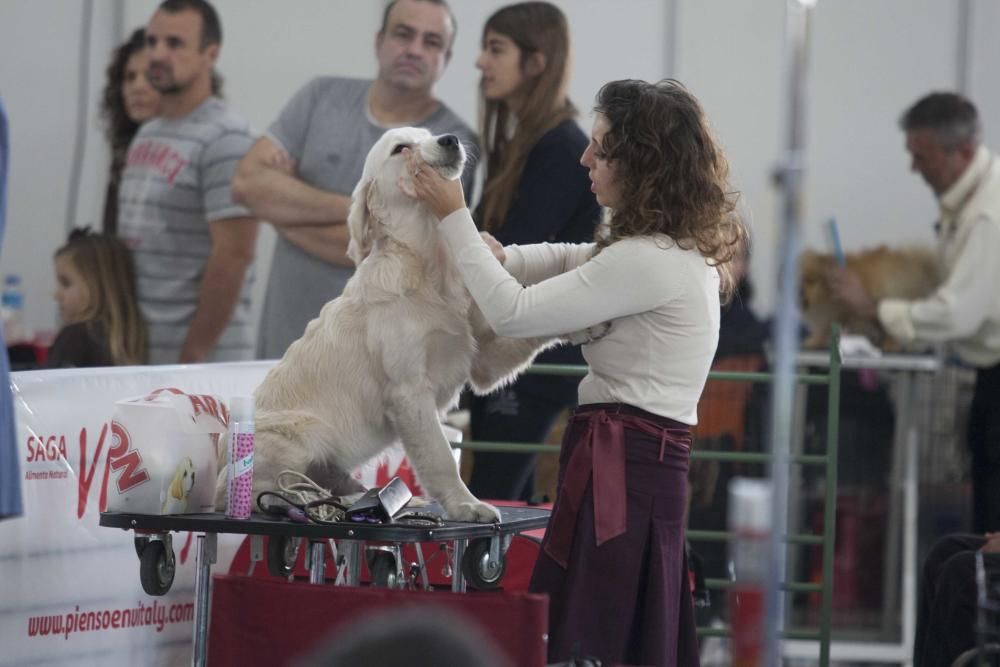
<point>381,504</point>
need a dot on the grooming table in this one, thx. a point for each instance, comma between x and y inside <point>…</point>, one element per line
<point>477,557</point>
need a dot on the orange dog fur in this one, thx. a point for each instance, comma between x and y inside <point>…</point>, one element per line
<point>900,273</point>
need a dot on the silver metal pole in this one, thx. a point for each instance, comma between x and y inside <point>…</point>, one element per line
<point>317,556</point>
<point>790,175</point>
<point>457,576</point>
<point>206,553</point>
<point>671,38</point>
<point>82,113</point>
<point>963,55</point>
<point>351,550</point>
<point>118,21</point>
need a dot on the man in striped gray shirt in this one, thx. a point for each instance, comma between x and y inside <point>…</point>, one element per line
<point>193,245</point>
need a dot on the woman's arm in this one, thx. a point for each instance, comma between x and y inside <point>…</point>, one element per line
<point>614,284</point>
<point>532,264</point>
<point>959,306</point>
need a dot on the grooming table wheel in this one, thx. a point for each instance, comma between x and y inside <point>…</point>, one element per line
<point>384,567</point>
<point>140,542</point>
<point>156,563</point>
<point>482,571</point>
<point>282,551</point>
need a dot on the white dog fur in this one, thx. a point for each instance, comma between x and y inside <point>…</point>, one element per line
<point>388,357</point>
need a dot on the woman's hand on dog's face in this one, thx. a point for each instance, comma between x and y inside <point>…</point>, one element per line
<point>441,196</point>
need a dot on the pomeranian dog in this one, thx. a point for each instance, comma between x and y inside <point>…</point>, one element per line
<point>886,273</point>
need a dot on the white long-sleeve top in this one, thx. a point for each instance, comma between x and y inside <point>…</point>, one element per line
<point>966,308</point>
<point>661,301</point>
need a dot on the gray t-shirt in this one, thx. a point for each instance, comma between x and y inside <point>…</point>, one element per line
<point>327,129</point>
<point>177,179</point>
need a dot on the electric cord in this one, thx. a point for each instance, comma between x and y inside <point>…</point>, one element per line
<point>302,499</point>
<point>299,492</point>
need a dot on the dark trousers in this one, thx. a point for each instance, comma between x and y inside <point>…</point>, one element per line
<point>946,613</point>
<point>522,412</point>
<point>984,442</point>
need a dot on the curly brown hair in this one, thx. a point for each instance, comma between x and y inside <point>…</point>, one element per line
<point>673,177</point>
<point>118,127</point>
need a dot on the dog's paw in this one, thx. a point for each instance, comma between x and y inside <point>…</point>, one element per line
<point>475,512</point>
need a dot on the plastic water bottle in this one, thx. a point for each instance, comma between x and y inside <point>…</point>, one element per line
<point>239,500</point>
<point>12,310</point>
<point>750,520</point>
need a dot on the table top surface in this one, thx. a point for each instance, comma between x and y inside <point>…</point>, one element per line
<point>512,520</point>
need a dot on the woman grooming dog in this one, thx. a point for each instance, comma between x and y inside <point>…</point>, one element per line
<point>648,291</point>
<point>535,191</point>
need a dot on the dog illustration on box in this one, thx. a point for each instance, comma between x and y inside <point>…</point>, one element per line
<point>175,501</point>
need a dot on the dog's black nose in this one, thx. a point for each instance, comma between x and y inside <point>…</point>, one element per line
<point>449,141</point>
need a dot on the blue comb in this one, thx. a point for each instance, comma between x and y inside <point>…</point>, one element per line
<point>838,250</point>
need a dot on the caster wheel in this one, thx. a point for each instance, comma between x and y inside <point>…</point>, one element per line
<point>383,571</point>
<point>281,555</point>
<point>476,566</point>
<point>140,544</point>
<point>156,568</point>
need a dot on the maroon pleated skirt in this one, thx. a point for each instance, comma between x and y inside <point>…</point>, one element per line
<point>627,601</point>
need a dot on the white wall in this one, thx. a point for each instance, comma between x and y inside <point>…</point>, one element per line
<point>869,60</point>
<point>39,82</point>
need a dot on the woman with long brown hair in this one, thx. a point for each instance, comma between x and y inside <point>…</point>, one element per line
<point>647,293</point>
<point>535,191</point>
<point>127,102</point>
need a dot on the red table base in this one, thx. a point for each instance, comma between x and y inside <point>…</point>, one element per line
<point>259,622</point>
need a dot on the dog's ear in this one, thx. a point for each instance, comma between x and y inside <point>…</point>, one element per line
<point>359,221</point>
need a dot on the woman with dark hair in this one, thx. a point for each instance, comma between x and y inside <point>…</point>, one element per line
<point>535,190</point>
<point>647,294</point>
<point>128,101</point>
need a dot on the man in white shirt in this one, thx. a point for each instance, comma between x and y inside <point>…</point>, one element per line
<point>943,137</point>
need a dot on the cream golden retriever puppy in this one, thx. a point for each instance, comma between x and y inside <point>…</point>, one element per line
<point>383,361</point>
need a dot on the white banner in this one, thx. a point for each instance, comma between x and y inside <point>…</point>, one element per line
<point>69,589</point>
